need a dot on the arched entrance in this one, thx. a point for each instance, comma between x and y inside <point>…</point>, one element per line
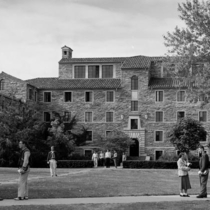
<point>134,148</point>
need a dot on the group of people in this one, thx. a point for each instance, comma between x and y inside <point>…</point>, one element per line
<point>183,173</point>
<point>104,159</point>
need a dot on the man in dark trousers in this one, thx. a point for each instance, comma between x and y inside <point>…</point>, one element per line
<point>52,161</point>
<point>24,169</point>
<point>203,172</point>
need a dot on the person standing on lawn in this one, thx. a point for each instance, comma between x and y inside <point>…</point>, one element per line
<point>101,158</point>
<point>95,159</point>
<point>24,169</point>
<point>115,158</point>
<point>203,172</point>
<point>107,158</point>
<point>52,161</point>
<point>183,169</point>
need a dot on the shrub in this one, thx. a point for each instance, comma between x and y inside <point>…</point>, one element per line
<point>75,164</point>
<point>78,157</point>
<point>154,164</point>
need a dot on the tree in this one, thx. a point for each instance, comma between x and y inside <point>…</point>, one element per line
<point>187,134</point>
<point>189,50</point>
<point>116,140</point>
<point>16,126</point>
<point>65,135</point>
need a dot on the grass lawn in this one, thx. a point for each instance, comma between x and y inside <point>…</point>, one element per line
<point>100,182</point>
<point>195,205</point>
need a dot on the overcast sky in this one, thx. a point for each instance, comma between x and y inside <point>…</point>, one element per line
<point>32,32</point>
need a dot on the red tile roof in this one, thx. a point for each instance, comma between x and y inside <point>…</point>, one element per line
<point>55,83</point>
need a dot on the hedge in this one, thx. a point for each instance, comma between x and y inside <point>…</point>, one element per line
<point>75,164</point>
<point>154,164</point>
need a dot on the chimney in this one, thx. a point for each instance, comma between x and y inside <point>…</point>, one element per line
<point>66,52</point>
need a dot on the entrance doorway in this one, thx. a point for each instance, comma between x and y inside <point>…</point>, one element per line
<point>134,148</point>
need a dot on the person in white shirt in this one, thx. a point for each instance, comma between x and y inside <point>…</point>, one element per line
<point>52,161</point>
<point>107,158</point>
<point>95,159</point>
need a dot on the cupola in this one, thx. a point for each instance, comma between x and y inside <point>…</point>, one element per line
<point>66,52</point>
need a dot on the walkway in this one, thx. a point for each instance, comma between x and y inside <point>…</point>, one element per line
<point>127,199</point>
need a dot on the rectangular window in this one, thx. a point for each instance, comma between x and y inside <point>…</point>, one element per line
<point>93,71</point>
<point>67,96</point>
<point>203,116</point>
<point>158,135</point>
<point>107,71</point>
<point>89,136</point>
<point>110,96</point>
<point>180,115</point>
<point>30,94</point>
<point>67,116</point>
<point>47,116</point>
<point>158,154</point>
<point>109,117</point>
<point>134,105</point>
<point>181,96</point>
<point>47,96</point>
<point>88,96</point>
<point>108,133</point>
<point>88,117</point>
<point>35,96</point>
<point>159,116</point>
<point>79,71</point>
<point>202,97</point>
<point>134,124</point>
<point>88,153</point>
<point>159,96</point>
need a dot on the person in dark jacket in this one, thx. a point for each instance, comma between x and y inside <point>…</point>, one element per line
<point>52,161</point>
<point>24,169</point>
<point>203,172</point>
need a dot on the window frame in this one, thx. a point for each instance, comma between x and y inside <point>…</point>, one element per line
<point>155,135</point>
<point>184,96</point>
<point>133,101</point>
<point>106,132</point>
<point>206,115</point>
<point>91,117</point>
<point>44,116</point>
<point>134,83</point>
<point>113,96</point>
<point>75,70</point>
<point>91,98</point>
<point>30,94</point>
<point>64,96</point>
<point>65,115</point>
<point>156,116</point>
<point>91,136</point>
<point>102,71</point>
<point>156,98</point>
<point>2,84</point>
<point>112,117</point>
<point>88,150</point>
<point>44,96</point>
<point>95,70</point>
<point>177,114</point>
<point>158,150</point>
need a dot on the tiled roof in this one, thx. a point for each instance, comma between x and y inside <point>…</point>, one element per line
<point>55,83</point>
<point>156,83</point>
<point>139,62</point>
<point>93,60</point>
<point>127,62</point>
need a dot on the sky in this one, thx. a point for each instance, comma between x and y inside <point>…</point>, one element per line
<point>32,32</point>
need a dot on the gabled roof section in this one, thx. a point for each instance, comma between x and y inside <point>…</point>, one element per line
<point>3,74</point>
<point>139,62</point>
<point>167,83</point>
<point>62,84</point>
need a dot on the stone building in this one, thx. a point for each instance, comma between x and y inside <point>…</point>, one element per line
<point>130,94</point>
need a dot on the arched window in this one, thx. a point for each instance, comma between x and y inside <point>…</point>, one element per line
<point>2,83</point>
<point>134,83</point>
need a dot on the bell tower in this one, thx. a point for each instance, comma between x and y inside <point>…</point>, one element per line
<point>66,52</point>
